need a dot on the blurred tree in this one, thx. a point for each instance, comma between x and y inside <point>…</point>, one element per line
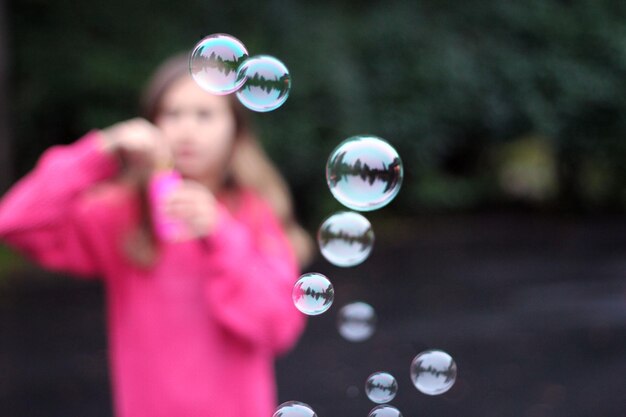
<point>445,83</point>
<point>6,156</point>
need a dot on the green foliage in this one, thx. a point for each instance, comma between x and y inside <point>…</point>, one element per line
<point>10,261</point>
<point>446,82</point>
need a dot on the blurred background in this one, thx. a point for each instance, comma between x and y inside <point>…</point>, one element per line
<point>505,247</point>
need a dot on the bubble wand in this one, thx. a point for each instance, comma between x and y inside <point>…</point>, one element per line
<point>165,180</point>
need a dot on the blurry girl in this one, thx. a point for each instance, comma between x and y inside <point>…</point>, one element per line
<point>194,323</point>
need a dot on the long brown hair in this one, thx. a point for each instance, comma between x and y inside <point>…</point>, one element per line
<point>249,168</point>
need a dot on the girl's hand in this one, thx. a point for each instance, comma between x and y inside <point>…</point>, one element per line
<point>195,205</point>
<point>137,141</point>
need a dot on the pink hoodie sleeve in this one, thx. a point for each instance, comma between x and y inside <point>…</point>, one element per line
<point>253,274</point>
<point>43,216</point>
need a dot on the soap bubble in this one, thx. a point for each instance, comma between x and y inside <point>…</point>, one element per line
<point>352,391</point>
<point>214,62</point>
<point>356,321</point>
<point>294,409</point>
<point>266,83</point>
<point>345,238</point>
<point>433,372</point>
<point>381,387</point>
<point>385,411</point>
<point>313,294</point>
<point>364,173</point>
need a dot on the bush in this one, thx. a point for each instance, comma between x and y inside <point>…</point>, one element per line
<point>445,82</point>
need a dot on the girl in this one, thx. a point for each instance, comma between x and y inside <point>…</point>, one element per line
<point>193,324</point>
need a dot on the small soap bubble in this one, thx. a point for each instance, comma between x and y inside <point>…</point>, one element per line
<point>385,411</point>
<point>345,238</point>
<point>214,62</point>
<point>352,391</point>
<point>266,83</point>
<point>364,173</point>
<point>381,387</point>
<point>356,321</point>
<point>313,294</point>
<point>433,372</point>
<point>294,409</point>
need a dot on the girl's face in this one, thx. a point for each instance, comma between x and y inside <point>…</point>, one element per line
<point>200,130</point>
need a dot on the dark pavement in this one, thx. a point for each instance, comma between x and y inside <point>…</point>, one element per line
<point>533,309</point>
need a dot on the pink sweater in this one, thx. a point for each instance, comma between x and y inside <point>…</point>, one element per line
<point>196,335</point>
